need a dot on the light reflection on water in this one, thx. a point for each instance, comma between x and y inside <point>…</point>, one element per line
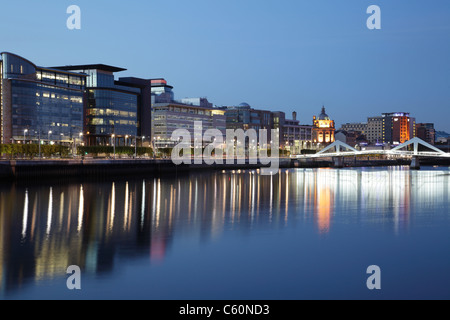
<point>46,228</point>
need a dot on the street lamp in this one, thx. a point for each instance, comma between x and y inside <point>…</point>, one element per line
<point>49,133</point>
<point>39,144</point>
<point>25,136</point>
<point>114,145</point>
<point>126,140</point>
<point>61,135</point>
<point>135,147</point>
<point>81,138</point>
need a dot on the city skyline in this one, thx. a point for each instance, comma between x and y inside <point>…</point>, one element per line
<point>289,56</point>
<point>261,151</point>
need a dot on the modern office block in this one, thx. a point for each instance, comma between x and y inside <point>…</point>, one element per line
<point>39,104</point>
<point>112,113</point>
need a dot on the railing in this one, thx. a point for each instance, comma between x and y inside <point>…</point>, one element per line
<point>340,147</point>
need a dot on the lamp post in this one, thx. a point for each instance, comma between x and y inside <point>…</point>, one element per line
<point>49,133</point>
<point>135,147</point>
<point>25,136</point>
<point>81,138</point>
<point>39,144</point>
<point>61,135</point>
<point>114,145</point>
<point>142,143</point>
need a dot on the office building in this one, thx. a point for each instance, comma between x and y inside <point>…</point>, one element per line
<point>39,104</point>
<point>114,109</point>
<point>169,115</point>
<point>145,104</point>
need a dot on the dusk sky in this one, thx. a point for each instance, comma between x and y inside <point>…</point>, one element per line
<point>284,55</point>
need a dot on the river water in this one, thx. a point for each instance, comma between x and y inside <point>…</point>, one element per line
<point>300,234</point>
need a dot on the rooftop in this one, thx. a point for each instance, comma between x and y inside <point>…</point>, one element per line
<point>102,67</point>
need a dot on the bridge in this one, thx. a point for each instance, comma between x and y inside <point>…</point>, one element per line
<point>338,150</point>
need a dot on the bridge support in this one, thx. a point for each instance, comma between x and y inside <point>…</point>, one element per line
<point>415,163</point>
<point>338,162</point>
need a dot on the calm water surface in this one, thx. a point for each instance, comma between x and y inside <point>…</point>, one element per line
<point>302,234</point>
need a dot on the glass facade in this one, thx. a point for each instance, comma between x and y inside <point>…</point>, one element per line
<point>98,78</point>
<point>40,108</point>
<point>16,67</point>
<point>39,104</point>
<point>162,92</point>
<point>112,107</point>
<point>111,112</point>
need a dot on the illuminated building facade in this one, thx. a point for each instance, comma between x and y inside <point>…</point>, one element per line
<point>114,109</point>
<point>169,115</point>
<point>39,104</point>
<point>323,129</point>
<point>398,127</point>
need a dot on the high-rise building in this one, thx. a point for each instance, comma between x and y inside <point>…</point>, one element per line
<point>323,129</point>
<point>398,127</point>
<point>39,104</point>
<point>426,132</point>
<point>113,109</point>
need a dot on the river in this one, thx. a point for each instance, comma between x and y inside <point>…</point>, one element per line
<point>300,234</point>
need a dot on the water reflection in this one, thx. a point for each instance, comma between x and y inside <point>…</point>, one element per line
<point>44,229</point>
